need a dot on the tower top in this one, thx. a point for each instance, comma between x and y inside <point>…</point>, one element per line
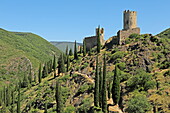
<point>130,19</point>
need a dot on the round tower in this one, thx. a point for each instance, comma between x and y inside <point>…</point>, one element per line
<point>129,19</point>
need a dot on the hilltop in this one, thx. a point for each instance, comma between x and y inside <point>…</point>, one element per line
<point>20,52</point>
<point>144,63</point>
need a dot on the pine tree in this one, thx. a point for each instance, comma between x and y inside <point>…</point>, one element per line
<point>70,52</point>
<point>104,98</point>
<point>58,97</point>
<point>61,66</point>
<point>18,101</point>
<point>39,74</point>
<point>116,86</point>
<point>67,50</point>
<point>75,51</point>
<point>54,66</point>
<point>96,89</point>
<point>98,40</point>
<point>84,48</point>
<point>100,87</point>
<point>68,63</point>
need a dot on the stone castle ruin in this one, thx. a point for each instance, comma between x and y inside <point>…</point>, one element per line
<point>92,41</point>
<point>129,27</point>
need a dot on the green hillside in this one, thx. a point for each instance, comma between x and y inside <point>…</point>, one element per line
<point>20,51</point>
<point>62,45</point>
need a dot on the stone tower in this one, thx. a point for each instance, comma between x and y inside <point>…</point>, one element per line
<point>129,19</point>
<point>129,26</point>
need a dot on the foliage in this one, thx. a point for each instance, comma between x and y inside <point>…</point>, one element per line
<point>143,81</point>
<point>39,74</point>
<point>84,48</point>
<point>134,35</point>
<point>96,89</point>
<point>70,52</point>
<point>116,86</point>
<point>61,66</point>
<point>75,51</point>
<point>138,104</point>
<point>98,40</point>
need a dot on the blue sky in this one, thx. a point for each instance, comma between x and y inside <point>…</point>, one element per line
<point>69,20</point>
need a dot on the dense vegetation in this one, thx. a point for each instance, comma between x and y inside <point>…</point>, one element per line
<point>136,75</point>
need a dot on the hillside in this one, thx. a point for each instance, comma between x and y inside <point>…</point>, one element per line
<point>62,45</point>
<point>21,51</point>
<point>144,64</point>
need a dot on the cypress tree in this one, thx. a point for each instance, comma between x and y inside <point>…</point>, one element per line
<point>45,108</point>
<point>84,48</point>
<point>12,103</point>
<point>25,81</point>
<point>100,87</point>
<point>96,90</point>
<point>61,66</point>
<point>75,51</point>
<point>4,95</point>
<point>98,40</point>
<point>109,90</point>
<point>70,52</point>
<point>80,49</point>
<point>67,50</point>
<point>104,98</point>
<point>18,101</point>
<point>58,98</point>
<point>116,86</point>
<point>54,66</point>
<point>30,74</point>
<point>39,74</point>
<point>45,71</point>
<point>68,63</point>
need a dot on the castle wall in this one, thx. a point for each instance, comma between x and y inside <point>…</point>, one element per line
<point>123,34</point>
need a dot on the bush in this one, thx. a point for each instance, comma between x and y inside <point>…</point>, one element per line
<point>117,55</point>
<point>167,73</point>
<point>121,66</point>
<point>141,81</point>
<point>134,35</point>
<point>138,104</point>
<point>70,109</point>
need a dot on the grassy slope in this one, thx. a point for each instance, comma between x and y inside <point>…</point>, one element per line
<point>14,46</point>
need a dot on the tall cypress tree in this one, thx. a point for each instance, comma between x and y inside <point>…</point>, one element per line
<point>84,48</point>
<point>116,86</point>
<point>70,52</point>
<point>98,40</point>
<point>18,101</point>
<point>25,81</point>
<point>96,90</point>
<point>12,103</point>
<point>100,86</point>
<point>54,66</point>
<point>80,49</point>
<point>45,71</point>
<point>75,50</point>
<point>30,74</point>
<point>61,66</point>
<point>39,74</point>
<point>68,63</point>
<point>58,97</point>
<point>67,50</point>
<point>104,98</point>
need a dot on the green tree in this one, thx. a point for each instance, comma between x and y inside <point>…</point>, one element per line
<point>116,86</point>
<point>109,89</point>
<point>58,96</point>
<point>54,66</point>
<point>98,40</point>
<point>80,49</point>
<point>138,104</point>
<point>70,52</point>
<point>104,98</point>
<point>84,48</point>
<point>45,111</point>
<point>25,81</point>
<point>75,50</point>
<point>18,101</point>
<point>30,74</point>
<point>68,63</point>
<point>13,102</point>
<point>96,89</point>
<point>39,74</point>
<point>61,66</point>
<point>100,86</point>
<point>45,71</point>
<point>67,50</point>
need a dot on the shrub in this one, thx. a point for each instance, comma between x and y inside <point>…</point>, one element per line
<point>134,35</point>
<point>167,73</point>
<point>119,54</point>
<point>121,66</point>
<point>70,109</point>
<point>138,104</point>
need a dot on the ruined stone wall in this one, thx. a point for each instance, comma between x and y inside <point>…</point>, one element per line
<point>123,34</point>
